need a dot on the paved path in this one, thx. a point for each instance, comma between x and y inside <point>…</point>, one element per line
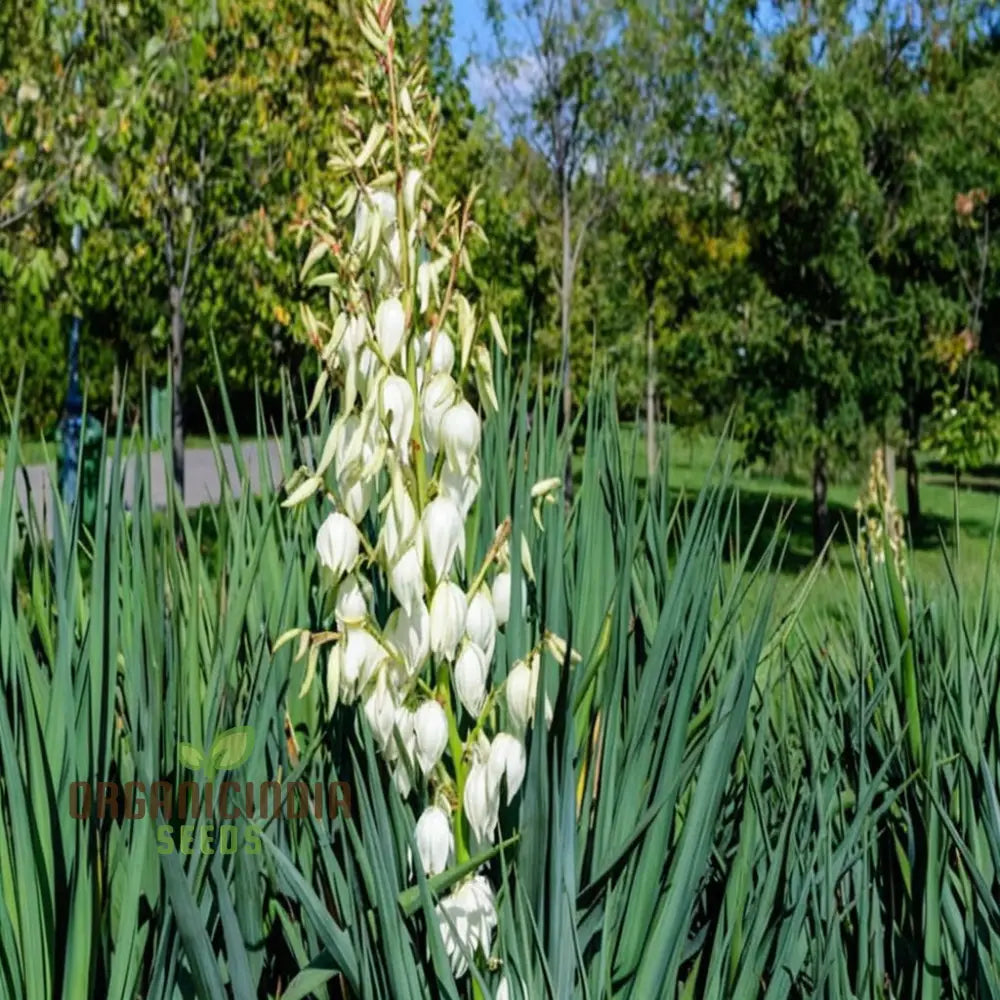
<point>202,482</point>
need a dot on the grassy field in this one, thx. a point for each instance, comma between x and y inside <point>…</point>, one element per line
<point>937,552</point>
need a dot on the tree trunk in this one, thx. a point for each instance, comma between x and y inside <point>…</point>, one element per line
<point>177,372</point>
<point>821,511</point>
<point>890,469</point>
<point>650,398</point>
<point>565,303</point>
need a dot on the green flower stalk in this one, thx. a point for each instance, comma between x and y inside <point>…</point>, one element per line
<point>401,348</point>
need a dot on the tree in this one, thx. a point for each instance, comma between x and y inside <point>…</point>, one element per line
<point>224,151</point>
<point>552,73</point>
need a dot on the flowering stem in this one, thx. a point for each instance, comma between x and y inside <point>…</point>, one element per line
<point>455,745</point>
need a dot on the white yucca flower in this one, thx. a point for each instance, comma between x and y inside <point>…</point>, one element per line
<point>467,918</point>
<point>444,535</point>
<point>409,633</point>
<point>507,760</point>
<point>390,324</point>
<point>435,840</point>
<point>380,710</point>
<point>397,406</point>
<point>460,432</point>
<point>462,487</point>
<point>338,544</point>
<point>436,398</point>
<point>406,579</point>
<point>481,800</point>
<point>430,729</point>
<point>470,676</point>
<point>447,619</point>
<point>481,622</point>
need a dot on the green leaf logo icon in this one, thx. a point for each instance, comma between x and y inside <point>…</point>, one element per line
<point>191,756</point>
<point>230,749</point>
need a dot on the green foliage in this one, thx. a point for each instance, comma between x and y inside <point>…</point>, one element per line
<point>732,800</point>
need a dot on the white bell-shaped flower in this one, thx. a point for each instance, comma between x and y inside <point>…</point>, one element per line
<point>507,759</point>
<point>501,597</point>
<point>338,544</point>
<point>436,399</point>
<point>481,622</point>
<point>406,579</point>
<point>435,840</point>
<point>397,406</point>
<point>520,688</point>
<point>470,676</point>
<point>442,357</point>
<point>352,606</point>
<point>363,654</point>
<point>401,529</point>
<point>460,433</point>
<point>390,327</point>
<point>355,334</point>
<point>380,711</point>
<point>403,739</point>
<point>481,802</point>
<point>467,918</point>
<point>430,730</point>
<point>462,487</point>
<point>409,633</point>
<point>444,534</point>
<point>448,610</point>
<point>385,204</point>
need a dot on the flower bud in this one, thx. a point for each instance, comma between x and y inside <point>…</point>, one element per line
<point>430,730</point>
<point>460,434</point>
<point>390,321</point>
<point>435,840</point>
<point>436,399</point>
<point>481,802</point>
<point>481,622</point>
<point>507,758</point>
<point>470,678</point>
<point>521,688</point>
<point>447,619</point>
<point>397,405</point>
<point>337,544</point>
<point>444,534</point>
<point>501,597</point>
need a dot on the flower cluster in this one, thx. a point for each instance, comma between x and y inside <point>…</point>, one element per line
<point>401,467</point>
<point>880,525</point>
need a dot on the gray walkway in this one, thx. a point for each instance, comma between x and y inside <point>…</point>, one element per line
<point>202,483</point>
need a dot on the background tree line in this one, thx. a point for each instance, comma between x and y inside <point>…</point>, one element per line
<point>786,212</point>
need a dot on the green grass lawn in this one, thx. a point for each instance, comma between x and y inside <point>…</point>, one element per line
<point>787,506</point>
